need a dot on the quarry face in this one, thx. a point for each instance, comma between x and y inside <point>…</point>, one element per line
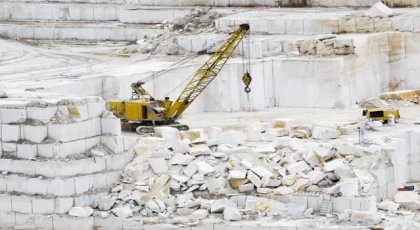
<point>327,138</point>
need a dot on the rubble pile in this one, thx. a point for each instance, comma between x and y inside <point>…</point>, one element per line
<point>198,21</point>
<point>175,171</point>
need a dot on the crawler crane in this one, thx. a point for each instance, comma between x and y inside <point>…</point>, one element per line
<point>143,112</point>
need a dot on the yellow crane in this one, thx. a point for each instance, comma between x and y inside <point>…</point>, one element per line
<point>143,112</point>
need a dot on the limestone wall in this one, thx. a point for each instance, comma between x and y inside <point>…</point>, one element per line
<point>58,153</point>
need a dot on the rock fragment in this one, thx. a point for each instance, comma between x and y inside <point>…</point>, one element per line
<point>231,213</point>
<point>81,211</point>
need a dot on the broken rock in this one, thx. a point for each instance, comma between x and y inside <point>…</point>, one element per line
<point>283,191</point>
<point>231,213</point>
<point>235,183</point>
<point>200,150</point>
<point>152,205</point>
<point>286,123</point>
<point>81,211</point>
<point>199,214</point>
<point>158,165</point>
<point>246,188</point>
<point>388,205</point>
<point>289,180</point>
<point>181,159</point>
<point>204,168</point>
<point>122,212</point>
<point>322,133</point>
<point>380,10</point>
<point>301,184</point>
<point>298,167</point>
<point>184,211</point>
<point>365,217</point>
<point>179,147</point>
<point>237,174</point>
<point>254,179</point>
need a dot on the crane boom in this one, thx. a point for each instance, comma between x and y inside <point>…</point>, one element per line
<point>207,73</point>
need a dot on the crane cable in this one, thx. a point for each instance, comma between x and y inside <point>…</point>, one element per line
<point>183,61</point>
<point>246,65</point>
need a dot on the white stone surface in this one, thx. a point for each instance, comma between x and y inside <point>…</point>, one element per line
<point>181,159</point>
<point>298,167</point>
<point>33,133</point>
<point>321,133</point>
<point>81,211</point>
<point>231,213</point>
<point>26,151</point>
<point>380,10</point>
<point>237,174</point>
<point>179,147</point>
<point>10,132</point>
<point>201,149</point>
<point>233,138</point>
<point>111,126</point>
<point>204,168</point>
<point>254,179</point>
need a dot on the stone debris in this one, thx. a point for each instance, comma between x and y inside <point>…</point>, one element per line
<point>380,10</point>
<point>81,211</point>
<point>231,213</point>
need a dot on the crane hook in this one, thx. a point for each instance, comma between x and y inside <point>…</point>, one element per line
<point>246,79</point>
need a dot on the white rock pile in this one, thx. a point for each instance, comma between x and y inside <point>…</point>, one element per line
<point>174,170</point>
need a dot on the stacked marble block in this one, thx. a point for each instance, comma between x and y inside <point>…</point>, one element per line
<point>45,168</point>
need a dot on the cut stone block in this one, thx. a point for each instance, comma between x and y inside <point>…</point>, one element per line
<point>204,168</point>
<point>323,154</point>
<point>10,132</point>
<point>13,115</point>
<point>285,123</point>
<point>33,133</point>
<point>332,165</point>
<point>202,149</point>
<point>111,126</point>
<point>168,133</point>
<point>231,213</point>
<point>262,172</point>
<point>113,143</point>
<point>41,114</point>
<point>48,150</point>
<point>233,138</point>
<point>343,171</point>
<point>192,134</point>
<point>301,166</point>
<point>246,164</point>
<point>158,165</point>
<point>289,180</point>
<point>5,203</point>
<point>26,151</point>
<point>254,179</point>
<point>237,174</point>
<point>246,188</point>
<point>181,159</point>
<point>380,10</point>
<point>22,204</point>
<point>181,179</point>
<point>316,176</point>
<point>273,183</point>
<point>322,133</point>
